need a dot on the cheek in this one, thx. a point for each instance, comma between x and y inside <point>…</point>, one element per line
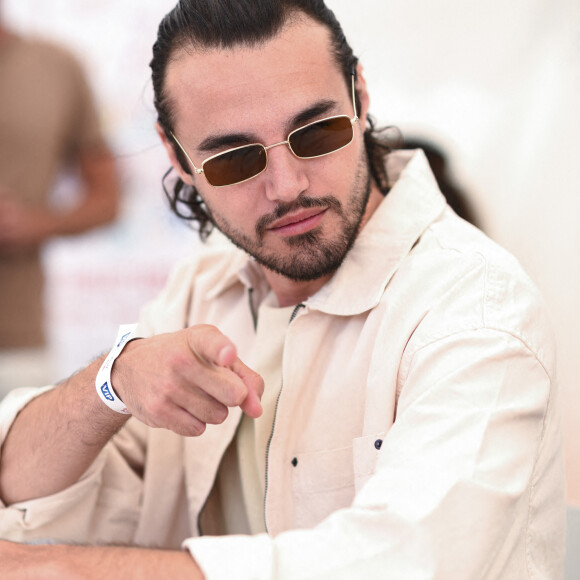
<point>226,206</point>
<point>334,173</point>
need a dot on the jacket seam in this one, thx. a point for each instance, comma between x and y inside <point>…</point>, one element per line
<point>549,401</point>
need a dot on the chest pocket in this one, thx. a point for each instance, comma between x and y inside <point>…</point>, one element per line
<point>365,456</point>
<point>326,481</point>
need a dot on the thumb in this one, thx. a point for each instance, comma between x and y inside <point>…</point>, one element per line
<point>226,356</point>
<point>210,346</point>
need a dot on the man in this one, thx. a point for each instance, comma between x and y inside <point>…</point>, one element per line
<point>48,123</point>
<point>369,395</point>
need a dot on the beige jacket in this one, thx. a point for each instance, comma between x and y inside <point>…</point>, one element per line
<point>416,433</point>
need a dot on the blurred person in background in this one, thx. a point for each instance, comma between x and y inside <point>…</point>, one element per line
<point>48,124</point>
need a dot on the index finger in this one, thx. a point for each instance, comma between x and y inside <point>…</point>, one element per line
<point>254,383</point>
<point>212,348</point>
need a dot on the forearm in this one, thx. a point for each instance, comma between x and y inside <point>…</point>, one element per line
<point>24,226</point>
<point>55,438</point>
<point>100,199</point>
<point>91,213</point>
<point>58,435</point>
<point>76,562</point>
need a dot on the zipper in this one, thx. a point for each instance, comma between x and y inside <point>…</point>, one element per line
<point>252,308</point>
<point>266,481</point>
<point>255,323</point>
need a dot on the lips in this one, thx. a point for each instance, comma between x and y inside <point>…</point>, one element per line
<point>303,217</point>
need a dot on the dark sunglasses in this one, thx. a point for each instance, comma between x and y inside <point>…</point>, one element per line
<point>248,161</point>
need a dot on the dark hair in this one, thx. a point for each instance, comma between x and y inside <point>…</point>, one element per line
<point>203,24</point>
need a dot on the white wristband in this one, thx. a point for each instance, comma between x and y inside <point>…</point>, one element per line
<point>103,380</point>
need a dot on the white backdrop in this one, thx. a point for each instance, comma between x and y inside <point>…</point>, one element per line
<point>496,83</point>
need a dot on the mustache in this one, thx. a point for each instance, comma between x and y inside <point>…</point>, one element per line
<point>301,202</point>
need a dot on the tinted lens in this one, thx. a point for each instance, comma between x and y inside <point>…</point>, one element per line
<point>235,165</point>
<point>322,137</point>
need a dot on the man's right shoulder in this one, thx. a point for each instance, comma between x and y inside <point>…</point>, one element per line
<point>216,259</point>
<point>199,278</point>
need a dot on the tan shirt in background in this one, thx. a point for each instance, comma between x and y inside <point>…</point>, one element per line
<point>47,116</point>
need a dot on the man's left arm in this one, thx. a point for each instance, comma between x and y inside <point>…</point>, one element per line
<point>23,226</point>
<point>62,562</point>
<point>100,196</point>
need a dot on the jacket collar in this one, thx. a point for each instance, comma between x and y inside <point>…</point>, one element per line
<point>410,207</point>
<point>412,204</point>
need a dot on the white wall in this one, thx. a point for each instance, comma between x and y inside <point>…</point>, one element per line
<point>496,83</point>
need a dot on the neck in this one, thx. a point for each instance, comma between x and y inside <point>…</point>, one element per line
<point>290,292</point>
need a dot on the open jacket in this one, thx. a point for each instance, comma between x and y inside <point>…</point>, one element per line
<point>416,433</point>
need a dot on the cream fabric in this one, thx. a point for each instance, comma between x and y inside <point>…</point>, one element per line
<point>237,501</point>
<point>253,435</point>
<point>417,434</point>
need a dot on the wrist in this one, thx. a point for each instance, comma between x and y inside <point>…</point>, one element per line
<point>103,382</point>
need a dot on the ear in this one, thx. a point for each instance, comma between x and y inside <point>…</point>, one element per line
<point>170,149</point>
<point>363,95</point>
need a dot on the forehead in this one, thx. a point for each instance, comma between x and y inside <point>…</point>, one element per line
<point>225,90</point>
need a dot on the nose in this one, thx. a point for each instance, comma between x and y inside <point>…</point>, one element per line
<point>285,178</point>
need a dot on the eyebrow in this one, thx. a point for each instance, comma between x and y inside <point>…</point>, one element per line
<point>316,110</point>
<point>216,142</point>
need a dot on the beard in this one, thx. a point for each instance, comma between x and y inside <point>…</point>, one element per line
<point>313,254</point>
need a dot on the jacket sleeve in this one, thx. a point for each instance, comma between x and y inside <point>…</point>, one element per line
<point>456,492</point>
<point>105,504</point>
<point>81,513</point>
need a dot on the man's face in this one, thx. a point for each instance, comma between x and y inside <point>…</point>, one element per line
<point>299,217</point>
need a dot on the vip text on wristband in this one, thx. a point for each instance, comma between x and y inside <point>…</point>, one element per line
<point>103,380</point>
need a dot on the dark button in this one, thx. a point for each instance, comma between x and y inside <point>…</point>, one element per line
<point>295,462</point>
<point>378,443</point>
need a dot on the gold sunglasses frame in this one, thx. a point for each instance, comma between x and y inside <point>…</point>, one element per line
<point>200,170</point>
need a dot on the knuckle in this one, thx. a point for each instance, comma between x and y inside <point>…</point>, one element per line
<point>219,415</point>
<point>236,395</point>
<point>201,329</point>
<point>195,429</point>
<point>157,405</point>
<point>177,361</point>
